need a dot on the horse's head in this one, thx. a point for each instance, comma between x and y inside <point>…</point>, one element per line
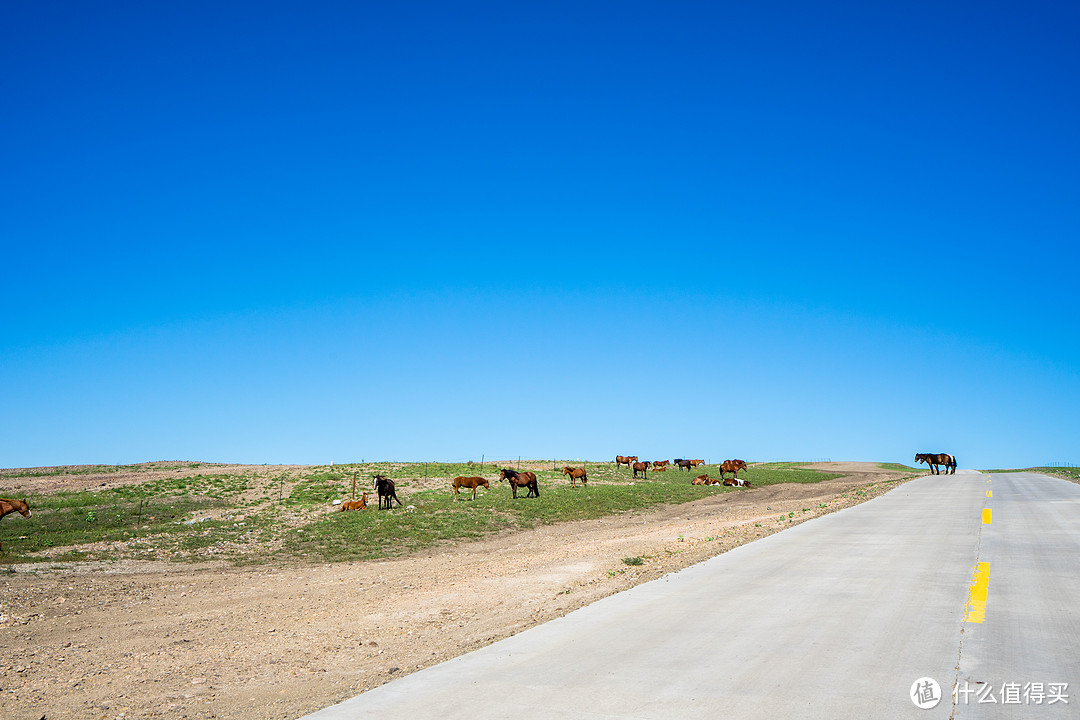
<point>25,509</point>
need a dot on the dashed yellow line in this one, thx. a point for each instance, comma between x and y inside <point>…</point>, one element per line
<point>986,516</point>
<point>980,586</point>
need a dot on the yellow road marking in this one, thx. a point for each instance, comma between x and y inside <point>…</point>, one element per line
<point>980,586</point>
<point>989,493</point>
<point>986,516</point>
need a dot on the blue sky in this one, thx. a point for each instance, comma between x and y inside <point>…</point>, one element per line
<point>303,233</point>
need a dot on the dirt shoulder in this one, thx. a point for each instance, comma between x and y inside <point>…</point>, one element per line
<point>127,640</point>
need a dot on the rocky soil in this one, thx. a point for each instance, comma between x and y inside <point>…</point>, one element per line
<point>155,639</point>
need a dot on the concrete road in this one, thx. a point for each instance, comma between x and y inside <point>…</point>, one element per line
<point>835,618</point>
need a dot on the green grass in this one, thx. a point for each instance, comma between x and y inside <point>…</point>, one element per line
<point>1072,473</point>
<point>436,517</point>
<point>897,467</point>
<point>248,519</point>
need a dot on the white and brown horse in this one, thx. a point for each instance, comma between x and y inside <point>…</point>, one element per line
<point>934,460</point>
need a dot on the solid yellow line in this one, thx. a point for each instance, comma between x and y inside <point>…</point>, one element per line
<point>986,516</point>
<point>980,587</point>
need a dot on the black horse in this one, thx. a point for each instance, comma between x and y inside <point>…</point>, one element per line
<point>526,479</point>
<point>934,460</point>
<point>386,489</point>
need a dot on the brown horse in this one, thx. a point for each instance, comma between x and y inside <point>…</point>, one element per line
<point>731,466</point>
<point>657,464</point>
<point>659,468</point>
<point>526,479</point>
<point>736,482</point>
<point>701,480</point>
<point>684,464</point>
<point>469,482</point>
<point>575,475</point>
<point>360,504</point>
<point>386,489</point>
<point>10,506</point>
<point>643,468</point>
<point>695,463</point>
<point>624,460</point>
<point>933,461</point>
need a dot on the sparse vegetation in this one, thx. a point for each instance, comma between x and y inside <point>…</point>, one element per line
<point>255,515</point>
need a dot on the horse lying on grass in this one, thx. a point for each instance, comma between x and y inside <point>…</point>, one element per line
<point>360,504</point>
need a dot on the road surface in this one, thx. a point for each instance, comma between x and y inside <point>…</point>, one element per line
<point>970,580</point>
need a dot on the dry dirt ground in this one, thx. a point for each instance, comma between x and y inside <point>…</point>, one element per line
<point>161,640</point>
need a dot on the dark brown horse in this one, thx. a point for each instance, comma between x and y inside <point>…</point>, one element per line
<point>684,464</point>
<point>470,482</point>
<point>624,460</point>
<point>643,468</point>
<point>731,466</point>
<point>10,506</point>
<point>387,491</point>
<point>934,460</point>
<point>575,475</point>
<point>526,479</point>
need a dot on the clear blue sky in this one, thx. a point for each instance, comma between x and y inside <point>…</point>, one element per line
<point>276,232</point>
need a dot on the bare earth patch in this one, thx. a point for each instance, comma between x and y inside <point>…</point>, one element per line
<point>154,639</point>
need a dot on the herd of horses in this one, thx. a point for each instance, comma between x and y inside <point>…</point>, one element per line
<point>728,466</point>
<point>526,479</point>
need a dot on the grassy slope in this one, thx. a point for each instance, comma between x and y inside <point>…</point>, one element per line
<point>239,516</point>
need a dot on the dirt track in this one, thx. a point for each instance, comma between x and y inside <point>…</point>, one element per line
<point>163,640</point>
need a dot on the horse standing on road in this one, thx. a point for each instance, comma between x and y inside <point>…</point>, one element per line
<point>934,460</point>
